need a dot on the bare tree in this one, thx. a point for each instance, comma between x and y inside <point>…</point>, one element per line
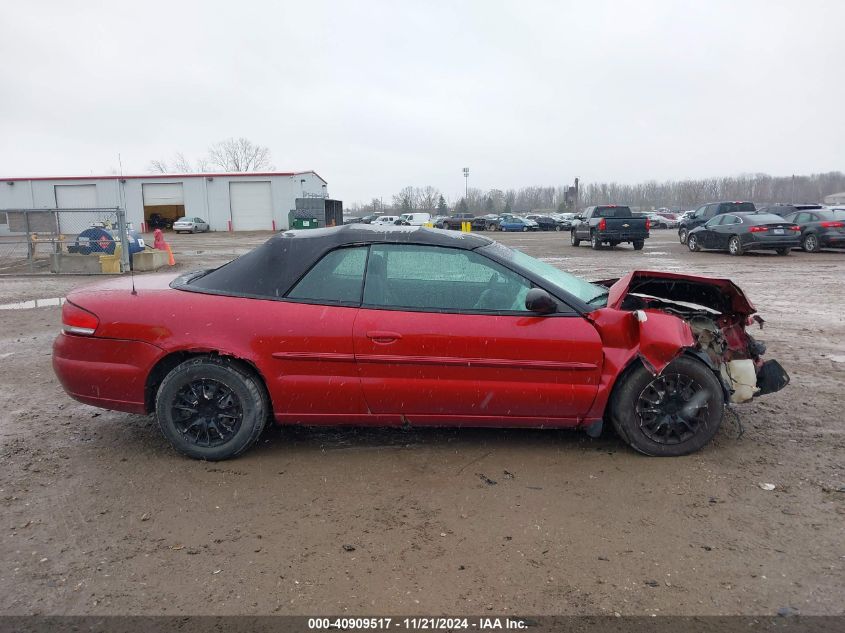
<point>236,155</point>
<point>239,155</point>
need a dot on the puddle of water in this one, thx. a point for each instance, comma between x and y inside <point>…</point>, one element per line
<point>837,358</point>
<point>655,253</point>
<point>35,303</point>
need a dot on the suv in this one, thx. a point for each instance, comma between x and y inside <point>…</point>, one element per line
<point>710,210</point>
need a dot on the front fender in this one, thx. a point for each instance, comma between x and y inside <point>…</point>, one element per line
<point>655,338</point>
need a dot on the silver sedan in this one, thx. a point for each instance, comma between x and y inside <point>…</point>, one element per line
<point>190,225</point>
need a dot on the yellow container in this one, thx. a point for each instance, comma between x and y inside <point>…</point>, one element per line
<point>111,263</point>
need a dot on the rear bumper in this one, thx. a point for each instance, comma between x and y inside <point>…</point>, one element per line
<point>835,240</point>
<point>771,243</point>
<point>105,373</point>
<point>622,237</point>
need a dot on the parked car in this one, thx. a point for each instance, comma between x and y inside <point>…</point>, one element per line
<point>516,223</point>
<point>656,221</point>
<point>784,210</point>
<point>820,228</point>
<point>487,222</point>
<point>158,221</point>
<point>385,219</point>
<point>414,219</point>
<point>547,222</point>
<point>366,219</point>
<point>364,314</point>
<point>670,219</point>
<point>738,233</point>
<point>609,224</point>
<point>454,222</point>
<point>710,210</point>
<point>190,225</point>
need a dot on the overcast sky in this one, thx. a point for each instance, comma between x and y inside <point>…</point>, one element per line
<point>378,95</point>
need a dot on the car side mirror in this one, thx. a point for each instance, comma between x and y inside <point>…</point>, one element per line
<point>539,301</point>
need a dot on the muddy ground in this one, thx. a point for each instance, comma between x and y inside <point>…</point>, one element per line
<point>100,516</point>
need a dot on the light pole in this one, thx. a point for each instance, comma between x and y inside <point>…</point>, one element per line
<point>466,183</point>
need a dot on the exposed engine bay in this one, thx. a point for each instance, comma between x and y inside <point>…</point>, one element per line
<point>717,313</point>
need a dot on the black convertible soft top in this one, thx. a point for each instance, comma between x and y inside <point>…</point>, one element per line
<point>272,268</point>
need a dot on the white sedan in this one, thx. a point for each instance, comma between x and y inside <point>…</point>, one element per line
<point>190,225</point>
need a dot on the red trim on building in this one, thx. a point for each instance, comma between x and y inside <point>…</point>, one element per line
<point>264,174</point>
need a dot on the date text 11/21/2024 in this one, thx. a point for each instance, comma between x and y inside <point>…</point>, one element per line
<point>418,623</point>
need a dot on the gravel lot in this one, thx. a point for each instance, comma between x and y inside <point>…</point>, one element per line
<point>100,516</point>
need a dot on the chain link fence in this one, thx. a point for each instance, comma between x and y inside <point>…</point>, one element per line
<point>66,241</point>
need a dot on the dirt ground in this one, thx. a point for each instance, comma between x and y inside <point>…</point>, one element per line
<point>100,516</point>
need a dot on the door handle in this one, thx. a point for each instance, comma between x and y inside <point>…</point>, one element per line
<point>382,337</point>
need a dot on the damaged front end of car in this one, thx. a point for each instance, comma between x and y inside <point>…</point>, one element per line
<point>716,312</point>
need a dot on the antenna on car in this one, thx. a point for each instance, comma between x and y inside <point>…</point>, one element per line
<point>120,185</point>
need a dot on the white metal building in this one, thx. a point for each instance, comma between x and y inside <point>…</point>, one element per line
<point>229,202</point>
<point>835,198</point>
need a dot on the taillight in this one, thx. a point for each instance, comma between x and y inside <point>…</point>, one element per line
<point>833,225</point>
<point>602,224</point>
<point>76,320</point>
<point>758,229</point>
<point>795,227</point>
<point>647,224</point>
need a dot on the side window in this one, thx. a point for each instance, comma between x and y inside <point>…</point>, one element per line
<point>711,210</point>
<point>336,278</point>
<point>729,219</point>
<point>699,213</point>
<point>440,279</point>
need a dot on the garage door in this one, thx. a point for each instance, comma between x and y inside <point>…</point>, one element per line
<point>163,194</point>
<point>78,197</point>
<point>252,206</point>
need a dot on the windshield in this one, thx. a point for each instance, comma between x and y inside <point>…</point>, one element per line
<point>183,220</point>
<point>581,288</point>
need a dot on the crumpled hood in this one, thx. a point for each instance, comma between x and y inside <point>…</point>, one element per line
<point>721,295</point>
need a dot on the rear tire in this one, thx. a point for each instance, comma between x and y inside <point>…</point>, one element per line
<point>638,245</point>
<point>557,227</point>
<point>210,408</point>
<point>672,414</point>
<point>595,243</point>
<point>735,245</point>
<point>574,240</point>
<point>810,243</point>
<point>783,251</point>
<point>682,236</point>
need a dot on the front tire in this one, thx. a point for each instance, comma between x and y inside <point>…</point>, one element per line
<point>682,236</point>
<point>692,244</point>
<point>674,413</point>
<point>810,244</point>
<point>735,245</point>
<point>210,408</point>
<point>574,240</point>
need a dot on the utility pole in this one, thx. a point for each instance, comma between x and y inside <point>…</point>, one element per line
<point>793,188</point>
<point>576,196</point>
<point>466,184</point>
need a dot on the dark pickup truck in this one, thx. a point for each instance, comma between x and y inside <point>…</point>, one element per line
<point>609,224</point>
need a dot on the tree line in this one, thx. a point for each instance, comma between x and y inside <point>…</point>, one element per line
<point>672,194</point>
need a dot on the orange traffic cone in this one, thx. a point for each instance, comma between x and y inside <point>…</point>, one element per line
<point>172,260</point>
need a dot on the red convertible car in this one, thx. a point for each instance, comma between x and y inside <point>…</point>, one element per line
<point>397,326</point>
